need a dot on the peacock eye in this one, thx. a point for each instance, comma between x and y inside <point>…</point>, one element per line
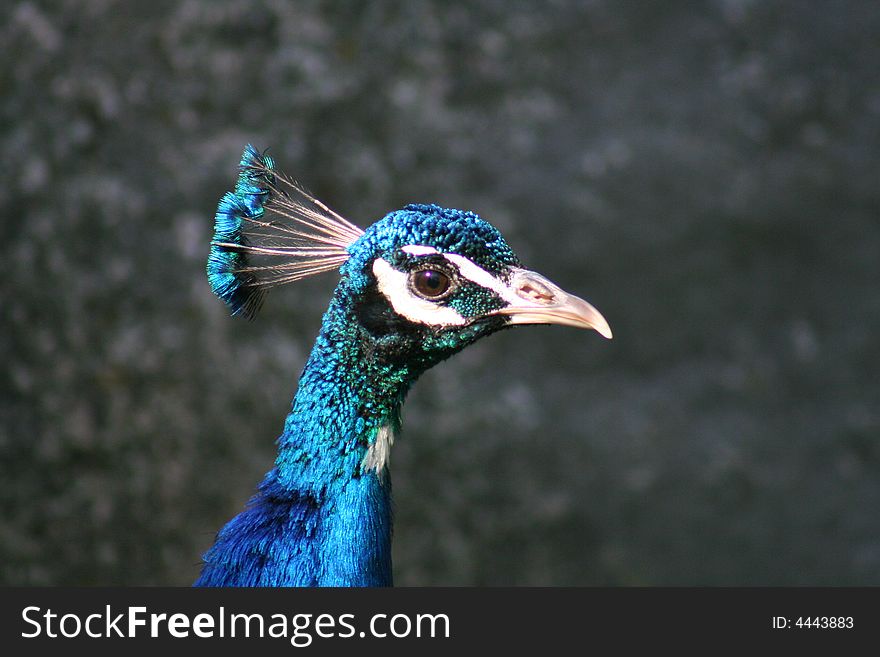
<point>430,283</point>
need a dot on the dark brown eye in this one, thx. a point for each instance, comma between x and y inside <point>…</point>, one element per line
<point>430,283</point>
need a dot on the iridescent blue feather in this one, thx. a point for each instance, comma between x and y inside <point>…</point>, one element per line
<point>270,231</point>
<point>227,266</point>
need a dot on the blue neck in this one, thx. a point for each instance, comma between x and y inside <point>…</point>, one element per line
<point>319,518</point>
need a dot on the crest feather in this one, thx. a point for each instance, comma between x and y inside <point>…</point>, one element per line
<point>270,231</point>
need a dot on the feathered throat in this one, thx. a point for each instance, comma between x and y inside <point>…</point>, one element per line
<point>270,231</point>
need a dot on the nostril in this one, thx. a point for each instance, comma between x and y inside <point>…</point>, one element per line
<point>535,292</point>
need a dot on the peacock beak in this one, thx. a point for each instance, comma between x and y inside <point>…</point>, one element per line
<point>536,300</point>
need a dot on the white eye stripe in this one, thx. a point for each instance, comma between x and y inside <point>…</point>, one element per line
<point>467,269</point>
<point>476,274</point>
<point>394,286</point>
<point>418,249</point>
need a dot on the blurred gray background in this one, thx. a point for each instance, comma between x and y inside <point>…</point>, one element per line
<point>705,173</point>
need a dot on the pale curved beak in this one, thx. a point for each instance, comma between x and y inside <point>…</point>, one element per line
<point>536,300</point>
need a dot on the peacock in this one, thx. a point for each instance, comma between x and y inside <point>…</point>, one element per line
<point>415,287</point>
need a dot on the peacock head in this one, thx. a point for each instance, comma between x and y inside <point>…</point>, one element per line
<point>421,283</point>
<point>444,278</point>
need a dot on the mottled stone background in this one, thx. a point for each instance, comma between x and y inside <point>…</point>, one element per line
<point>705,173</point>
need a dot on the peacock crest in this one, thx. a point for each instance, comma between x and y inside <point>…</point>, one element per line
<point>269,232</point>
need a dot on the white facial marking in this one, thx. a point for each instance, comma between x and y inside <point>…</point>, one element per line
<point>481,277</point>
<point>417,249</point>
<point>394,286</point>
<point>377,456</point>
<point>466,268</point>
